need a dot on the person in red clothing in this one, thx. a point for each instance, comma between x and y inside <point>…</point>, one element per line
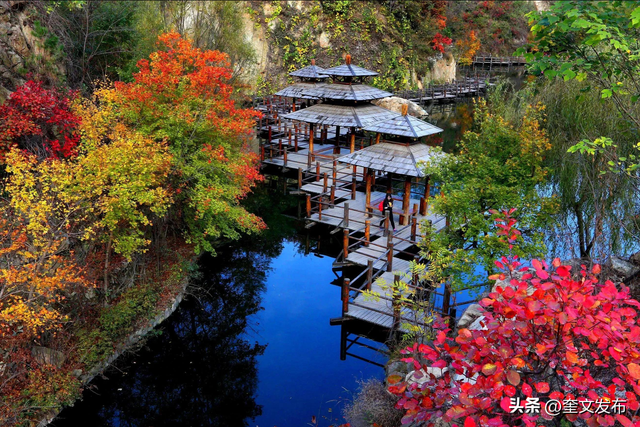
<point>387,206</point>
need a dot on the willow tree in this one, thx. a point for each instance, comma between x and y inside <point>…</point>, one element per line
<point>595,43</point>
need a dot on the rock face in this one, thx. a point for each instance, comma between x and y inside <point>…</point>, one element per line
<point>20,51</point>
<point>48,356</point>
<point>443,70</point>
<point>394,103</point>
<point>621,267</point>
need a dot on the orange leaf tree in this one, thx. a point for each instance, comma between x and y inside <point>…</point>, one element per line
<point>181,94</point>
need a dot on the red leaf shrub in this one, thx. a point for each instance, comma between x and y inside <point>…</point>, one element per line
<point>547,336</point>
<point>40,120</point>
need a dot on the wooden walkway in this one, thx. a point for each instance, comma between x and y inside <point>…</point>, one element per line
<point>445,93</point>
<point>333,199</point>
<point>504,61</point>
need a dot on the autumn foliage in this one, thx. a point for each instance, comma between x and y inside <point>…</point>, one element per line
<point>468,47</point>
<point>547,333</point>
<point>95,189</point>
<point>40,120</point>
<point>182,95</point>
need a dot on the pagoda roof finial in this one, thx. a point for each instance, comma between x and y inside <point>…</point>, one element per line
<point>347,59</point>
<point>405,109</point>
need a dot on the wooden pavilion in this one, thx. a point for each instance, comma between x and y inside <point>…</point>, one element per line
<point>397,158</point>
<point>346,102</point>
<point>310,77</point>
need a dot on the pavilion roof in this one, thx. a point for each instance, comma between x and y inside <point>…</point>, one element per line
<point>404,125</point>
<point>401,159</point>
<point>358,116</point>
<point>348,70</point>
<point>310,72</point>
<point>299,90</point>
<point>347,92</point>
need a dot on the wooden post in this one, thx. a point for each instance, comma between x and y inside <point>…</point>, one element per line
<point>299,178</point>
<point>390,248</point>
<point>369,274</point>
<point>262,152</point>
<point>414,211</point>
<point>311,131</point>
<point>406,200</point>
<point>285,156</point>
<point>334,171</point>
<point>317,171</point>
<point>269,135</point>
<point>386,223</point>
<point>333,194</point>
<point>446,300</point>
<point>353,187</point>
<point>346,216</point>
<point>326,181</point>
<point>423,206</point>
<point>289,143</point>
<point>337,141</point>
<point>320,208</point>
<point>295,137</point>
<point>368,180</point>
<point>308,205</point>
<point>378,139</point>
<point>427,191</point>
<point>414,228</point>
<point>367,232</point>
<point>346,285</point>
<point>396,302</point>
<point>345,242</point>
<point>352,142</point>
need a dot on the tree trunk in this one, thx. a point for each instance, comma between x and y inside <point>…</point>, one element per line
<point>105,285</point>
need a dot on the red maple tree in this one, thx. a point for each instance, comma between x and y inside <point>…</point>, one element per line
<point>39,120</point>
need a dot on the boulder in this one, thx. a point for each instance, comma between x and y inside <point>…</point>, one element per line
<point>472,312</point>
<point>395,103</point>
<point>620,267</point>
<point>48,356</point>
<point>635,258</point>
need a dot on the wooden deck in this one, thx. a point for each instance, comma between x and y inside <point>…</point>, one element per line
<point>336,202</point>
<point>379,311</point>
<point>350,215</point>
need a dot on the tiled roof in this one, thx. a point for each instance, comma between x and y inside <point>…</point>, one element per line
<point>407,125</point>
<point>298,90</point>
<point>349,70</point>
<point>357,116</point>
<point>357,92</point>
<point>393,158</point>
<point>310,72</point>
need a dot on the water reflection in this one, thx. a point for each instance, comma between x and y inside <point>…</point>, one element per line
<point>201,371</point>
<point>251,346</point>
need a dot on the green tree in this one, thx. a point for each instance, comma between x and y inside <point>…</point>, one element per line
<point>499,167</point>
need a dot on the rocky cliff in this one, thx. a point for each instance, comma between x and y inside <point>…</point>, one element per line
<point>22,46</point>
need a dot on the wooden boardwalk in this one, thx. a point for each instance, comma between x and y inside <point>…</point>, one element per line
<point>382,254</point>
<point>333,199</point>
<point>445,93</point>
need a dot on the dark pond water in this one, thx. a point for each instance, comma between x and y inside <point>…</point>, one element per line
<point>252,345</point>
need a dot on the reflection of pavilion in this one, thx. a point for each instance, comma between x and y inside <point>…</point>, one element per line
<point>344,177</point>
